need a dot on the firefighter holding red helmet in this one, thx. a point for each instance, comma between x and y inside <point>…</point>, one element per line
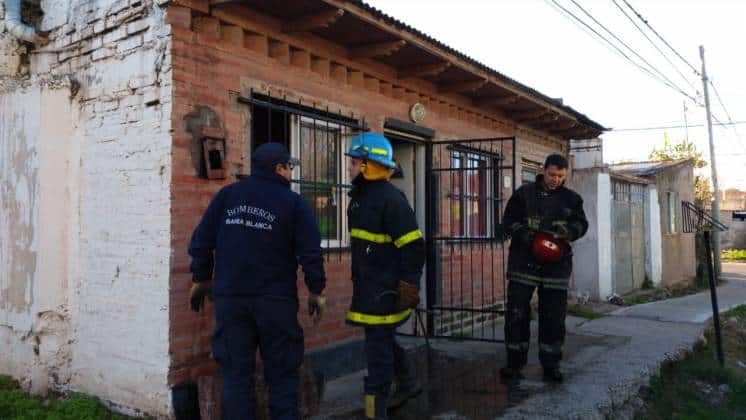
<point>542,219</point>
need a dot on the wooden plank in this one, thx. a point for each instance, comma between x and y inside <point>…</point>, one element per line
<point>312,21</point>
<point>527,115</point>
<point>461,87</point>
<point>423,70</point>
<point>496,100</point>
<point>378,49</point>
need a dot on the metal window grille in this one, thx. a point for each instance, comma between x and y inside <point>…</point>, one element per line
<point>319,138</point>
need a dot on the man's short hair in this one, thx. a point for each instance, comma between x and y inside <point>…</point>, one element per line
<point>556,160</point>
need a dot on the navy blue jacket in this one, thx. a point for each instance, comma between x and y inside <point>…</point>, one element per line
<point>259,229</point>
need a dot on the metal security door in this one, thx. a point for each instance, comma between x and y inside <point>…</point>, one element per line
<point>628,233</point>
<point>467,184</point>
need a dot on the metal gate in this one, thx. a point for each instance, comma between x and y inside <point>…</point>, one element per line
<point>467,183</point>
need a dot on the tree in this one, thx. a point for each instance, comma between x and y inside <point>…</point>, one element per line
<point>687,150</point>
<point>683,150</point>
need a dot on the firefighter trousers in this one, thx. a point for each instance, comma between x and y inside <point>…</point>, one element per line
<point>387,361</point>
<point>552,312</point>
<point>269,324</point>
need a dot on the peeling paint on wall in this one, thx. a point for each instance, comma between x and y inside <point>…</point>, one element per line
<point>85,152</point>
<point>18,202</point>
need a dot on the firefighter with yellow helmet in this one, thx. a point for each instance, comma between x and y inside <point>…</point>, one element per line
<point>388,254</point>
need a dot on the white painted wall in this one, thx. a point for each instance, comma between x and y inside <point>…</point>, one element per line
<point>605,286</point>
<point>85,214</point>
<point>35,125</point>
<point>653,238</point>
<point>592,253</point>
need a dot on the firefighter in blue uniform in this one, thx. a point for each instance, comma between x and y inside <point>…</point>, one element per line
<point>254,233</point>
<point>387,257</point>
<point>542,206</point>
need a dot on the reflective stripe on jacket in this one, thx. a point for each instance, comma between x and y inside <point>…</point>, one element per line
<point>387,247</point>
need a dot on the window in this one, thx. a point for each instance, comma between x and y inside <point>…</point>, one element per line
<point>672,212</point>
<point>473,195</point>
<point>322,176</point>
<point>528,176</point>
<point>627,192</point>
<point>319,139</point>
<point>529,171</point>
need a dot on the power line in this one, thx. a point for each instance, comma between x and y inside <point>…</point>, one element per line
<point>732,123</point>
<point>620,52</point>
<point>582,9</point>
<point>735,130</point>
<point>655,45</point>
<point>645,21</point>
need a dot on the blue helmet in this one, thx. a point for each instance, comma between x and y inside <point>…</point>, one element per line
<point>373,147</point>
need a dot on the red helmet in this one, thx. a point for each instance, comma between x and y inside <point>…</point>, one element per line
<point>547,248</point>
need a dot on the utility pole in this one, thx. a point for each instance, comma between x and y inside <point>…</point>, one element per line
<point>716,190</point>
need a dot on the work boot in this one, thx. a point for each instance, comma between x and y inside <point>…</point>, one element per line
<point>375,407</point>
<point>509,372</point>
<point>553,374</point>
<point>403,393</point>
<point>407,385</point>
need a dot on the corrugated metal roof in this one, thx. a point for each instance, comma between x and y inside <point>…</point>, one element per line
<point>401,25</point>
<point>646,168</point>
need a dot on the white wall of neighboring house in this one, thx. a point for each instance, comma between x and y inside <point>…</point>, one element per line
<point>653,238</point>
<point>592,253</point>
<point>605,262</point>
<point>85,160</point>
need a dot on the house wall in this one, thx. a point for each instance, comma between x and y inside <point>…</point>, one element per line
<point>213,62</point>
<point>84,223</point>
<point>592,265</point>
<point>735,236</point>
<point>653,238</point>
<point>678,249</point>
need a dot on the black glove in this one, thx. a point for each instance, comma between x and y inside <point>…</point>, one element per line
<point>316,304</point>
<point>197,295</point>
<point>562,232</point>
<point>409,296</point>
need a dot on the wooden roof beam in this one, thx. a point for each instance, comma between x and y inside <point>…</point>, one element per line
<point>526,116</point>
<point>462,87</point>
<point>561,125</point>
<point>378,49</point>
<point>423,70</point>
<point>497,100</point>
<point>544,119</point>
<point>312,21</point>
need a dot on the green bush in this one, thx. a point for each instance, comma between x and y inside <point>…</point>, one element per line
<point>734,254</point>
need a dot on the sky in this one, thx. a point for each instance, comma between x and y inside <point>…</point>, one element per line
<point>533,42</point>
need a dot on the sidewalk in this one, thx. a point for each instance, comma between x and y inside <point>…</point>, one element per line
<point>606,362</point>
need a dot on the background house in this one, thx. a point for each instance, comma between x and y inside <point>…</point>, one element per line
<point>674,181</point>
<point>735,237</point>
<point>623,244</point>
<point>115,136</point>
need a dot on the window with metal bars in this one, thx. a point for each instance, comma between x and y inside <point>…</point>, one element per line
<point>628,193</point>
<point>319,138</point>
<point>472,195</point>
